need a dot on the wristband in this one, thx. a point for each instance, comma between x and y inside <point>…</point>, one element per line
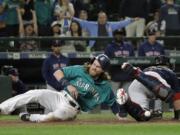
<point>64,82</point>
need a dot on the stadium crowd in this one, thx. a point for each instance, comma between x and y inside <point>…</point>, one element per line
<point>63,18</point>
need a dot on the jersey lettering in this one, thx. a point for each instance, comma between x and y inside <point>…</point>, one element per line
<point>90,90</point>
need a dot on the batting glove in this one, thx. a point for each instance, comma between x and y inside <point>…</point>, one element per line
<point>130,70</point>
<point>122,96</point>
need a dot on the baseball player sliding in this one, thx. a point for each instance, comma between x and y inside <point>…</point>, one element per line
<point>85,87</point>
<point>156,81</point>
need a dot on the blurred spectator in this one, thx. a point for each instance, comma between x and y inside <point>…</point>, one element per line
<point>63,11</point>
<point>134,8</point>
<point>3,15</point>
<point>29,45</point>
<point>102,27</point>
<point>55,61</point>
<point>27,11</point>
<point>27,15</point>
<point>78,6</point>
<point>83,14</point>
<point>76,31</point>
<point>170,12</point>
<point>11,18</point>
<point>151,47</point>
<point>29,29</point>
<point>18,87</point>
<point>56,29</point>
<point>158,25</point>
<point>56,32</point>
<point>153,7</point>
<point>118,47</point>
<point>43,9</point>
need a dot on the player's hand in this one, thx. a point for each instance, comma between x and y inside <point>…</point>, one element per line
<point>73,91</point>
<point>130,69</point>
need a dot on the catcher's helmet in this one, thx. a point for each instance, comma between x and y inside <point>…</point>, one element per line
<point>103,60</point>
<point>162,60</point>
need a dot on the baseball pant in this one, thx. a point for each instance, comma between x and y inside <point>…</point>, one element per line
<point>140,94</point>
<point>61,104</point>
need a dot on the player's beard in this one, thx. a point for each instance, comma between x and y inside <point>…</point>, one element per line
<point>94,73</point>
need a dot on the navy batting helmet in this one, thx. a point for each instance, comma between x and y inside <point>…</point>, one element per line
<point>162,60</point>
<point>103,60</point>
<point>13,71</point>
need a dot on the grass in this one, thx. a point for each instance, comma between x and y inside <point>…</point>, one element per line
<point>56,128</point>
<point>131,129</point>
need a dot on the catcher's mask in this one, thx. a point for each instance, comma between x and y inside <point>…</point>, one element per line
<point>103,60</point>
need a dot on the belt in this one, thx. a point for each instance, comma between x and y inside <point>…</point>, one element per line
<point>72,102</point>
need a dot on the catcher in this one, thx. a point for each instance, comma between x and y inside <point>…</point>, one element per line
<point>85,87</point>
<point>155,81</point>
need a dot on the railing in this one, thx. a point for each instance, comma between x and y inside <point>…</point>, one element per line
<point>39,38</point>
<point>43,55</point>
<point>9,40</point>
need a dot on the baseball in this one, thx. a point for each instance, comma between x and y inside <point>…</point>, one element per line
<point>147,113</point>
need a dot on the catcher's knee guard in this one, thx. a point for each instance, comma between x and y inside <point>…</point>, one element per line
<point>154,85</point>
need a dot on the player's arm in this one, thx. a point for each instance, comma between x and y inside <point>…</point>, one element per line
<point>59,75</point>
<point>122,23</point>
<point>118,111</point>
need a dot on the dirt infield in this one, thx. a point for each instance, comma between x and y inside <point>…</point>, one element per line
<point>85,122</point>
